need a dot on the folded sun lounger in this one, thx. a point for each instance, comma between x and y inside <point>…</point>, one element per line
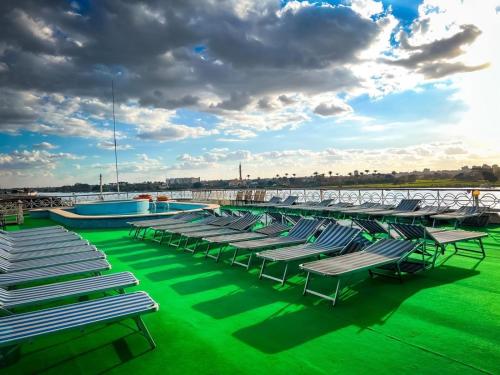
<point>334,239</point>
<point>36,295</point>
<point>24,277</point>
<point>28,255</point>
<point>387,252</point>
<point>423,212</point>
<point>406,205</point>
<point>299,234</point>
<point>7,266</point>
<point>371,227</point>
<point>20,328</point>
<point>43,246</point>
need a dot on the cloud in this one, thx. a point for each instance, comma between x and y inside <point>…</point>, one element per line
<point>30,160</point>
<point>109,145</point>
<point>45,146</point>
<point>332,109</point>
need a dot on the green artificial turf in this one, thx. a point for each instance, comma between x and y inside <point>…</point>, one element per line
<point>217,319</point>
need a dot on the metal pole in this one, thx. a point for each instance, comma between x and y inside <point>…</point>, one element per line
<point>114,137</point>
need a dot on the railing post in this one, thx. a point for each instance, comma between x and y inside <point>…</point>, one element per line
<point>359,196</point>
<point>382,197</point>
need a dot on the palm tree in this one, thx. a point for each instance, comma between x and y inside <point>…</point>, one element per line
<point>336,174</point>
<point>286,175</point>
<point>350,173</point>
<point>248,177</point>
<point>330,173</point>
<point>293,174</point>
<point>277,175</point>
<point>367,171</point>
<point>315,174</point>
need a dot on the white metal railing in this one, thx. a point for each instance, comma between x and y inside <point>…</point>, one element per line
<point>452,197</point>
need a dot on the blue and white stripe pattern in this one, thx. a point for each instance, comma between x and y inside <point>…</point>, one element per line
<point>23,327</point>
<point>40,239</point>
<point>334,239</point>
<point>238,226</point>
<point>10,299</point>
<point>380,253</point>
<point>7,266</point>
<point>44,246</point>
<point>27,255</point>
<point>300,233</point>
<point>23,277</point>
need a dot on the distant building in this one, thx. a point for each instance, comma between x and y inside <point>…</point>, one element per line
<point>181,181</point>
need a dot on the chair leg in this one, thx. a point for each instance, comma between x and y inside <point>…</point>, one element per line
<point>145,332</point>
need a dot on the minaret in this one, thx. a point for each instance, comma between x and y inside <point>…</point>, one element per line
<point>241,176</point>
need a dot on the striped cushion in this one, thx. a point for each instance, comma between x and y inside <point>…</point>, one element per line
<point>73,288</point>
<point>40,247</point>
<point>22,327</point>
<point>22,277</point>
<point>6,266</point>
<point>27,255</point>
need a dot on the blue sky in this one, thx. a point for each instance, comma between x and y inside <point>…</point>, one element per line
<point>282,87</point>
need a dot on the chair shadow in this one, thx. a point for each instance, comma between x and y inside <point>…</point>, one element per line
<point>370,302</point>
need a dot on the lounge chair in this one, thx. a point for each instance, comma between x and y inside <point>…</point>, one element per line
<point>333,240</point>
<point>180,232</point>
<point>31,232</point>
<point>7,266</point>
<point>242,224</point>
<point>45,239</point>
<point>164,229</point>
<point>299,234</point>
<point>460,215</point>
<point>223,241</point>
<point>44,246</point>
<point>383,253</point>
<point>37,295</point>
<point>290,200</point>
<point>94,267</point>
<point>20,328</point>
<point>406,205</point>
<point>337,207</point>
<point>441,237</point>
<point>312,206</point>
<point>137,226</point>
<point>372,227</point>
<point>274,200</point>
<point>362,206</point>
<point>421,213</point>
<point>28,255</point>
<point>362,211</point>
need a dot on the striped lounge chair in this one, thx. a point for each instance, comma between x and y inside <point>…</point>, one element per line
<point>37,295</point>
<point>406,205</point>
<point>442,238</point>
<point>460,215</point>
<point>21,328</point>
<point>223,241</point>
<point>299,234</point>
<point>93,267</point>
<point>333,240</point>
<point>242,224</point>
<point>48,253</point>
<point>387,253</point>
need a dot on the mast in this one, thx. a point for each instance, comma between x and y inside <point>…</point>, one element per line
<point>114,136</point>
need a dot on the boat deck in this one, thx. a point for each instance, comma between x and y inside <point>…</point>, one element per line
<point>217,319</point>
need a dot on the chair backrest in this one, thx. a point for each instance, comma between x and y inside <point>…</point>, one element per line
<point>335,235</point>
<point>367,205</point>
<point>408,205</point>
<point>274,200</point>
<point>409,231</point>
<point>276,216</point>
<point>248,195</point>
<point>273,229</point>
<point>342,205</point>
<point>370,226</point>
<point>244,222</point>
<point>325,203</point>
<point>305,228</point>
<point>391,249</point>
<point>291,199</point>
<point>293,219</point>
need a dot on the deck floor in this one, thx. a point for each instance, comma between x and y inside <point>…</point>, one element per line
<point>217,319</point>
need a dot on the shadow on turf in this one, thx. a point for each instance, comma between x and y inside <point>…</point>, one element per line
<point>366,303</point>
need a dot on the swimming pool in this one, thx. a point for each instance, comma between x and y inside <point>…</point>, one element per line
<point>116,213</point>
